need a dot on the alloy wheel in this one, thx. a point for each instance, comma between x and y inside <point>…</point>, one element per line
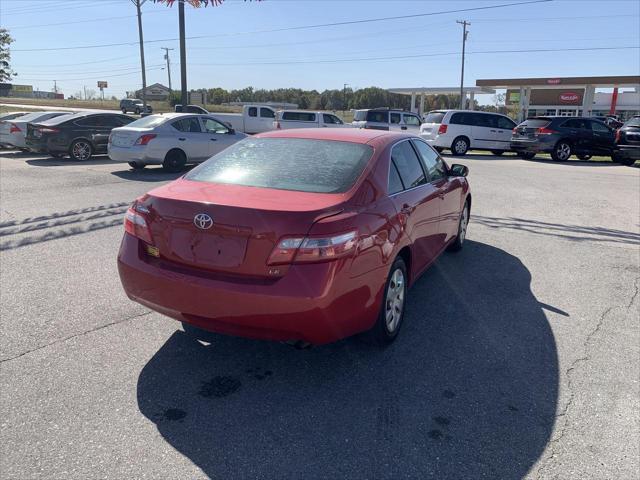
<point>464,222</point>
<point>563,151</point>
<point>394,303</point>
<point>81,150</point>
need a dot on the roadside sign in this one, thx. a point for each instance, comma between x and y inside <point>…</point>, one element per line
<point>102,84</point>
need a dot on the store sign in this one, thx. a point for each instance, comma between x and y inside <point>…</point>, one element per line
<point>569,97</point>
<point>102,84</point>
<point>553,81</point>
<point>22,88</point>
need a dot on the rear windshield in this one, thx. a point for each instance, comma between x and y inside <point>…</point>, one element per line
<point>378,116</point>
<point>535,123</point>
<point>360,115</point>
<point>305,165</point>
<point>299,116</point>
<point>434,117</point>
<point>634,122</point>
<point>147,122</point>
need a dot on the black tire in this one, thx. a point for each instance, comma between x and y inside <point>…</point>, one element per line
<point>439,149</point>
<point>395,298</point>
<point>81,150</point>
<point>124,110</point>
<point>198,333</point>
<point>463,223</point>
<point>527,155</point>
<point>24,150</point>
<point>174,161</point>
<point>616,157</point>
<point>562,151</point>
<point>136,165</point>
<point>137,111</point>
<point>497,153</point>
<point>583,157</point>
<point>56,155</point>
<point>460,146</point>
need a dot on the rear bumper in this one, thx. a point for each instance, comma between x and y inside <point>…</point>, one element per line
<point>46,145</point>
<point>139,154</point>
<point>437,141</point>
<point>315,303</point>
<point>533,146</point>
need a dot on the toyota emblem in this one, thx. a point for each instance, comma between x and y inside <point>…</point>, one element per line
<point>203,221</point>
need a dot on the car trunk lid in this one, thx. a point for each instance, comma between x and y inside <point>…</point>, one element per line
<point>529,128</point>
<point>127,136</point>
<point>230,229</point>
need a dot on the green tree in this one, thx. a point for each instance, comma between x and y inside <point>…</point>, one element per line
<point>6,74</point>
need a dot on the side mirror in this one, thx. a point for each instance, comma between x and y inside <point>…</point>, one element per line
<point>231,131</point>
<point>458,170</point>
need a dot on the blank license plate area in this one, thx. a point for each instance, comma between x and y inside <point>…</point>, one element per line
<point>210,249</point>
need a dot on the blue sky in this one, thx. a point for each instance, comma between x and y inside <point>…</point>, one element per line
<point>237,52</point>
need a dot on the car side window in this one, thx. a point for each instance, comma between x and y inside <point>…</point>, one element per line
<point>395,183</point>
<point>88,121</point>
<point>395,118</point>
<point>328,118</point>
<point>461,118</point>
<point>267,113</point>
<point>213,126</point>
<point>253,111</point>
<point>187,125</point>
<point>598,127</point>
<point>436,168</point>
<point>411,120</point>
<point>377,116</point>
<point>409,166</point>
<point>484,120</point>
<point>576,123</point>
<point>506,123</point>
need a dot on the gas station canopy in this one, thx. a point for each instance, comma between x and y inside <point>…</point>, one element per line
<point>422,91</point>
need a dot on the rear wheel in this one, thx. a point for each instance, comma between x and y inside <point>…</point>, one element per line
<point>439,149</point>
<point>136,165</point>
<point>616,157</point>
<point>137,111</point>
<point>497,153</point>
<point>562,151</point>
<point>124,110</point>
<point>81,150</point>
<point>460,146</point>
<point>458,243</point>
<point>174,161</point>
<point>527,155</point>
<point>392,310</point>
<point>583,157</point>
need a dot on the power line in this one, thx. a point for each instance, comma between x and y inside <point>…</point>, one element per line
<point>405,57</point>
<point>56,7</point>
<point>301,27</point>
<point>90,20</point>
<point>87,78</point>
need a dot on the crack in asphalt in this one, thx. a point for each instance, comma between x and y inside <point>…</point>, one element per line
<point>62,340</point>
<point>574,365</point>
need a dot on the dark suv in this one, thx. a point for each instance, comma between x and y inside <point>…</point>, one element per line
<point>80,135</point>
<point>134,105</point>
<point>628,142</point>
<point>562,137</point>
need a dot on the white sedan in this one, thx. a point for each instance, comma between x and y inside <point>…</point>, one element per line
<point>171,140</point>
<point>14,131</point>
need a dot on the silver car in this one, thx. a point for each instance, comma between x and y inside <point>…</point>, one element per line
<point>171,140</point>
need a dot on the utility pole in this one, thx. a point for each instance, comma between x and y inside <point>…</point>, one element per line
<point>138,4</point>
<point>183,57</point>
<point>55,87</point>
<point>344,97</point>
<point>464,24</point>
<point>166,57</point>
<point>85,91</point>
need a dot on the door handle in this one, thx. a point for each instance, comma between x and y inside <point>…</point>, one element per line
<point>182,139</point>
<point>403,128</point>
<point>213,139</point>
<point>492,131</point>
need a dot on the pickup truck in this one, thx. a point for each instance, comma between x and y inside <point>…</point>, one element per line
<point>253,119</point>
<point>286,119</point>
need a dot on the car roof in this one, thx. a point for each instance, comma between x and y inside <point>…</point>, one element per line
<point>74,116</point>
<point>354,135</point>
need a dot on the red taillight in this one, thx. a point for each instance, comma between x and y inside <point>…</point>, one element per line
<point>144,139</point>
<point>14,128</point>
<point>135,223</point>
<point>545,131</point>
<point>443,129</point>
<point>277,124</point>
<point>515,130</point>
<point>48,130</point>
<point>313,249</point>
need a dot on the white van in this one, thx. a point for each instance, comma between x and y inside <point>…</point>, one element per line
<point>253,119</point>
<point>463,130</point>
<point>386,119</point>
<point>286,119</point>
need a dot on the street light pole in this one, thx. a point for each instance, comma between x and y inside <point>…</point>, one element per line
<point>464,24</point>
<point>138,4</point>
<point>183,57</point>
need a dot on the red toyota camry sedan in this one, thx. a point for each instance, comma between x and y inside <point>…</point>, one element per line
<point>305,236</point>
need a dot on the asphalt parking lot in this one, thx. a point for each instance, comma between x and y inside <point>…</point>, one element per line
<point>518,357</point>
